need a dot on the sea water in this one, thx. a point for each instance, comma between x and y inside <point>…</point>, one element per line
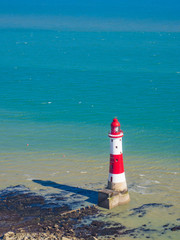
<point>59,92</point>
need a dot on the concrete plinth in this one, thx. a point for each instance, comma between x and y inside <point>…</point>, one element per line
<point>109,199</point>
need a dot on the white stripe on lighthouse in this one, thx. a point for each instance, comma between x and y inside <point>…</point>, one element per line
<point>115,146</point>
<point>117,178</point>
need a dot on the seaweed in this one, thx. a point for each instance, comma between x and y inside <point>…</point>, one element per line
<point>142,210</point>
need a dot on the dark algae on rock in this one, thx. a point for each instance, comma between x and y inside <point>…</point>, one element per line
<point>142,210</point>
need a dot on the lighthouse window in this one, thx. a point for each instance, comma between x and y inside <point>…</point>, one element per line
<point>116,160</point>
<point>117,129</point>
<point>116,146</point>
<point>111,140</point>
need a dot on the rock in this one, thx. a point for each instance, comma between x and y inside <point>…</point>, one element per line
<point>92,238</point>
<point>176,228</point>
<point>9,236</point>
<point>21,230</point>
<point>27,238</point>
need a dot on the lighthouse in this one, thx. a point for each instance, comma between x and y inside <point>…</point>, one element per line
<point>116,192</point>
<point>117,179</point>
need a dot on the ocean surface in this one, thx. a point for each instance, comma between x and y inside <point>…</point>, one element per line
<point>60,90</point>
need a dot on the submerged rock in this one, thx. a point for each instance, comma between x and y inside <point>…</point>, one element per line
<point>142,210</point>
<point>176,228</point>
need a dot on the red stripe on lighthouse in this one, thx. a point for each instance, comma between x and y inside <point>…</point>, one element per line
<point>116,164</point>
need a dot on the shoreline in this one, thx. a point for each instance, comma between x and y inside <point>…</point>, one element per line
<point>27,215</point>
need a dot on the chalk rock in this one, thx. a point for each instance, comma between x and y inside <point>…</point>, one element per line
<point>9,236</point>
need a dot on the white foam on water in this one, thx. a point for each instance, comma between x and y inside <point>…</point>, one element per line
<point>156,181</point>
<point>28,177</point>
<point>53,174</point>
<point>152,181</point>
<point>141,189</point>
<point>43,103</point>
<point>141,186</point>
<point>83,172</point>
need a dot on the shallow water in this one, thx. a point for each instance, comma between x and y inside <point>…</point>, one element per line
<point>59,93</point>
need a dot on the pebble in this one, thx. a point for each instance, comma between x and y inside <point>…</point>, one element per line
<point>9,236</point>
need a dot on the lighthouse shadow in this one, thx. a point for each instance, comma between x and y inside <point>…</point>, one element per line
<point>92,195</point>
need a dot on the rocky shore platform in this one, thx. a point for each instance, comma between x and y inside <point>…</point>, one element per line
<point>25,215</point>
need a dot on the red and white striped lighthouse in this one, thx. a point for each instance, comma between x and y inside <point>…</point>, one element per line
<point>116,193</point>
<point>117,179</point>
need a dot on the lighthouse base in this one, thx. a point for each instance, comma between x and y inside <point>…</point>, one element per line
<point>109,199</point>
<point>121,187</point>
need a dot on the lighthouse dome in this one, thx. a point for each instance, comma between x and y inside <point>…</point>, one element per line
<point>115,123</point>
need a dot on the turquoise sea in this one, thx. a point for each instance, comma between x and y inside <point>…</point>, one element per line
<point>60,90</point>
